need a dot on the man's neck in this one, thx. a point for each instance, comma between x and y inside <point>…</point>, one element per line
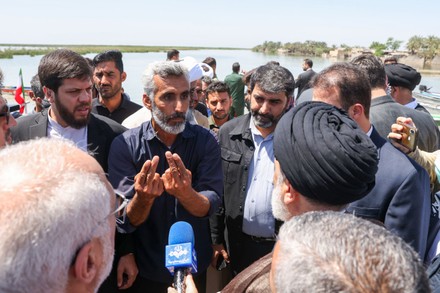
<point>219,122</point>
<point>111,103</point>
<point>405,98</point>
<point>378,92</point>
<point>167,138</point>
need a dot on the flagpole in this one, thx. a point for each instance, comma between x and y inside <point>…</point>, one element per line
<point>24,96</point>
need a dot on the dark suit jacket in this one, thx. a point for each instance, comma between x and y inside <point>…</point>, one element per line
<point>401,197</point>
<point>100,133</point>
<point>384,111</point>
<point>303,81</point>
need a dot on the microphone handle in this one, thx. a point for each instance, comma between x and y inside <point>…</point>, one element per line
<point>179,279</point>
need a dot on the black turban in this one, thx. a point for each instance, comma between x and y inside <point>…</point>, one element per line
<point>402,75</point>
<point>324,154</point>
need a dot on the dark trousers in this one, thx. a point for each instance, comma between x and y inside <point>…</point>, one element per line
<point>142,285</point>
<point>244,250</point>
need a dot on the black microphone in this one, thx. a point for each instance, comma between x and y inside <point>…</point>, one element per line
<point>180,256</point>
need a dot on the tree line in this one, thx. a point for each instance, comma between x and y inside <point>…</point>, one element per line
<point>425,47</point>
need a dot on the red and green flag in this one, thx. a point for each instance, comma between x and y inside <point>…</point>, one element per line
<point>19,93</point>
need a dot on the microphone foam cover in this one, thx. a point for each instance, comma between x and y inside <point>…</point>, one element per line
<point>181,232</point>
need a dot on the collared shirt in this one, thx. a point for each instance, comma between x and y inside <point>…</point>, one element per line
<point>200,154</point>
<point>77,136</point>
<point>213,126</point>
<point>257,217</point>
<point>125,109</point>
<point>413,104</point>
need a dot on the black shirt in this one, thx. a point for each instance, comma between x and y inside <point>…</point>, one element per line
<point>125,109</point>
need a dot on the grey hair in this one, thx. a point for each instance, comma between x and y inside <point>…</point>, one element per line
<point>36,87</point>
<point>163,69</point>
<point>273,79</point>
<point>50,207</point>
<point>335,252</point>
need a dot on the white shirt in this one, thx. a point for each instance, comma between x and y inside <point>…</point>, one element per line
<point>78,136</point>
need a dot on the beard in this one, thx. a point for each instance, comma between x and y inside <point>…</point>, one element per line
<point>162,120</point>
<point>69,117</point>
<point>265,120</point>
<point>220,115</point>
<point>279,209</point>
<point>109,91</point>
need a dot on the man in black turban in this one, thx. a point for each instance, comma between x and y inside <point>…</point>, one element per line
<point>400,198</point>
<point>403,79</point>
<point>323,160</point>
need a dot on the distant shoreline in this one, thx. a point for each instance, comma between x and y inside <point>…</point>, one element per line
<point>8,51</point>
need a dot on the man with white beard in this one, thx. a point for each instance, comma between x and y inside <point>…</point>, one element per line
<point>171,171</point>
<point>323,161</point>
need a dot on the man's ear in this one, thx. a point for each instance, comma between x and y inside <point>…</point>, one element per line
<point>50,94</point>
<point>358,111</point>
<point>123,76</point>
<point>85,268</point>
<point>290,193</point>
<point>146,100</point>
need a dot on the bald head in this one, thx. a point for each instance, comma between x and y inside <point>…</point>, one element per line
<point>58,200</point>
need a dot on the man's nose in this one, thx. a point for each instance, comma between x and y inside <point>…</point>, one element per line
<point>12,121</point>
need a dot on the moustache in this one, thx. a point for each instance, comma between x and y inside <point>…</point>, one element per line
<point>82,105</point>
<point>266,116</point>
<point>176,115</point>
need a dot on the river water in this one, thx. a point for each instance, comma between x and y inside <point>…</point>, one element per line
<point>135,64</point>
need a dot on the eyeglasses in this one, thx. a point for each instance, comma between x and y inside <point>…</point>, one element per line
<point>5,112</point>
<point>121,204</point>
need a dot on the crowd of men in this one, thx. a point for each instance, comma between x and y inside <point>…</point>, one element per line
<point>290,195</point>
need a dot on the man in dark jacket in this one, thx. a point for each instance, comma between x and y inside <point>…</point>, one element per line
<point>247,156</point>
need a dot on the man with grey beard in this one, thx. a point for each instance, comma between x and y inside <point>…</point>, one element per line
<point>171,171</point>
<point>247,156</point>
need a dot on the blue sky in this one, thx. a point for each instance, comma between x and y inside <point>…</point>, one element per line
<point>220,23</point>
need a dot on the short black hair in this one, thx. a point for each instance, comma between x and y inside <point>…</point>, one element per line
<point>373,67</point>
<point>171,53</point>
<point>62,64</point>
<point>36,87</point>
<point>236,67</point>
<point>217,87</point>
<point>210,61</point>
<point>111,55</point>
<point>309,62</point>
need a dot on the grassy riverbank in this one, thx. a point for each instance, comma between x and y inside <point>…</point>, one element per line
<point>32,49</point>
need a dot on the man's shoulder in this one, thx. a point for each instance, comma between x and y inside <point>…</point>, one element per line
<point>132,106</point>
<point>233,123</point>
<point>32,118</point>
<point>387,107</point>
<point>233,77</point>
<point>105,123</point>
<point>397,167</point>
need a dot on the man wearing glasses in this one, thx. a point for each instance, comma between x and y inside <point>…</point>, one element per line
<point>6,122</point>
<point>57,219</point>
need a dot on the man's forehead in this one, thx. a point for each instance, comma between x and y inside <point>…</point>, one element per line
<point>86,81</point>
<point>267,95</point>
<point>219,95</point>
<point>106,66</point>
<point>171,81</point>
